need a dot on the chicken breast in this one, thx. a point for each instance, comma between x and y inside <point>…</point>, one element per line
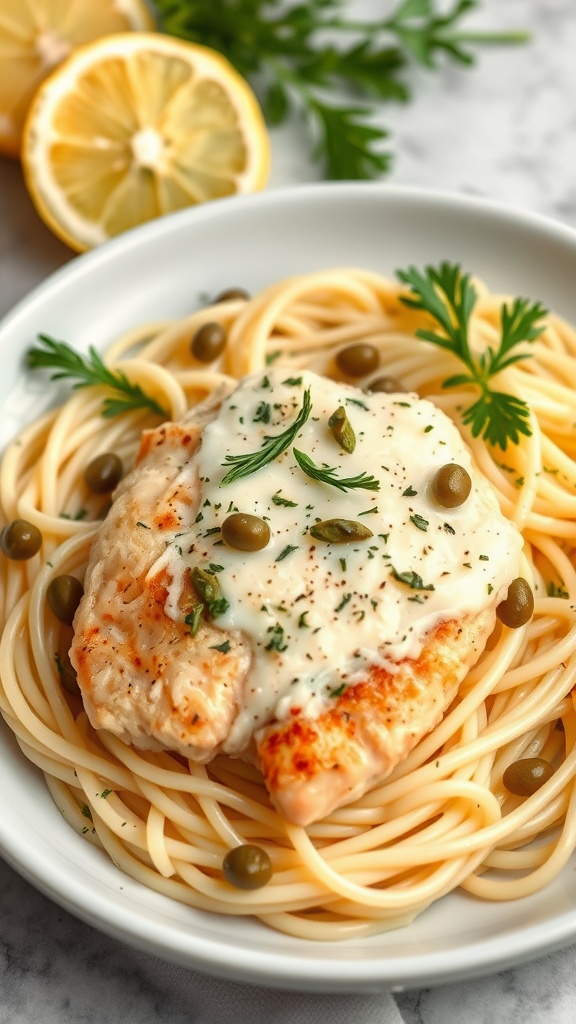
<point>143,676</point>
<point>324,636</point>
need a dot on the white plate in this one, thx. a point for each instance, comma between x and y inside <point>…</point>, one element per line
<point>161,270</point>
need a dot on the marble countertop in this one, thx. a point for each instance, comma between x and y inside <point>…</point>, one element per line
<point>505,129</point>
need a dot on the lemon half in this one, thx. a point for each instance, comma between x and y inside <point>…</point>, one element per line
<point>136,125</point>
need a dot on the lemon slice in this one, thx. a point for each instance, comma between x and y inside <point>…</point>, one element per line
<point>137,125</point>
<point>36,35</point>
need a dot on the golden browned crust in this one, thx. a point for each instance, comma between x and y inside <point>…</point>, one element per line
<point>312,766</point>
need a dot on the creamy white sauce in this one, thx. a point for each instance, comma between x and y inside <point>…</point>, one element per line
<point>317,613</point>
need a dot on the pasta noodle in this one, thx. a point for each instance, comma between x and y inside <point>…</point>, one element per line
<point>443,819</point>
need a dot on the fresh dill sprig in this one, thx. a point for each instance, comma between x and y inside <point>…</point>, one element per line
<point>251,462</point>
<point>309,58</point>
<point>325,474</point>
<point>449,297</point>
<point>90,371</point>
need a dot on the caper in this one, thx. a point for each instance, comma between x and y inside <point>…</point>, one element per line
<point>207,586</point>
<point>340,531</point>
<point>245,532</point>
<point>518,606</point>
<point>20,540</point>
<point>208,342</point>
<point>64,595</point>
<point>525,776</point>
<point>104,473</point>
<point>451,485</point>
<point>385,385</point>
<point>247,867</point>
<point>342,430</point>
<point>230,294</point>
<point>358,360</point>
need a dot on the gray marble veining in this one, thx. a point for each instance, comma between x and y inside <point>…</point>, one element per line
<point>505,129</point>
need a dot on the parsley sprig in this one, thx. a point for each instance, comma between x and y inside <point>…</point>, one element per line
<point>449,297</point>
<point>88,371</point>
<point>300,56</point>
<point>251,462</point>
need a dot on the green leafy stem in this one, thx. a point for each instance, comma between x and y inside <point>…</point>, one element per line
<point>89,371</point>
<point>300,56</point>
<point>449,297</point>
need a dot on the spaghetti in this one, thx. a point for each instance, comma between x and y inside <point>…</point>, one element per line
<point>444,818</point>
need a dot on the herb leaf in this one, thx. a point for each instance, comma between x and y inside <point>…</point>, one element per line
<point>449,297</point>
<point>286,551</point>
<point>263,413</point>
<point>223,647</point>
<point>277,499</point>
<point>88,371</point>
<point>245,465</point>
<point>194,617</point>
<point>420,522</point>
<point>411,579</point>
<point>276,642</point>
<point>325,474</point>
<point>347,142</point>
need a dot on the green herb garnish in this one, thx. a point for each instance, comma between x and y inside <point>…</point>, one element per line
<point>245,465</point>
<point>278,500</point>
<point>276,642</point>
<point>449,297</point>
<point>224,647</point>
<point>411,579</point>
<point>302,54</point>
<point>263,413</point>
<point>325,474</point>
<point>419,522</point>
<point>287,551</point>
<point>90,371</point>
<point>194,617</point>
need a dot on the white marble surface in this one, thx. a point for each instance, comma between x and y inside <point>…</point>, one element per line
<point>506,130</point>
